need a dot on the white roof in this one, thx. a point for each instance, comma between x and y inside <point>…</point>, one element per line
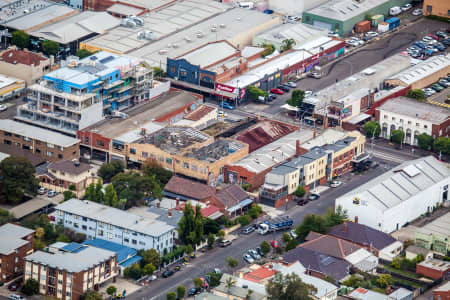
<point>328,137</point>
<point>362,259</point>
<point>275,152</point>
<point>37,133</point>
<point>440,226</point>
<point>7,81</point>
<point>364,294</point>
<point>123,9</point>
<point>443,288</point>
<point>135,134</point>
<point>250,51</point>
<point>423,69</point>
<point>395,186</point>
<point>77,26</point>
<point>299,32</point>
<point>41,16</point>
<point>210,54</point>
<point>115,217</point>
<point>11,236</point>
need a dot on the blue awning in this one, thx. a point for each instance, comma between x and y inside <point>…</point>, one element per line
<point>241,204</point>
<point>131,261</point>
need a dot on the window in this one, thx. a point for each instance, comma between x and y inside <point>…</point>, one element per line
<point>134,242</point>
<point>60,156</point>
<point>393,118</point>
<point>126,240</point>
<point>186,165</point>
<point>425,126</point>
<point>172,69</point>
<point>168,161</point>
<point>429,8</point>
<point>75,225</point>
<point>133,151</point>
<point>100,224</point>
<point>110,235</point>
<point>401,121</point>
<point>86,140</point>
<point>144,154</point>
<point>409,122</point>
<point>8,134</point>
<point>27,139</point>
<point>50,145</point>
<point>448,12</point>
<point>110,227</point>
<point>84,227</point>
<point>100,232</point>
<point>84,219</point>
<point>194,168</point>
<point>49,153</point>
<point>100,143</point>
<point>417,125</point>
<point>60,281</point>
<point>141,243</point>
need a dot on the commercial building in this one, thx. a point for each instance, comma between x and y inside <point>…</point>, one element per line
<point>413,118</point>
<point>187,151</point>
<point>76,96</point>
<point>10,87</point>
<point>69,271</point>
<point>399,196</point>
<point>435,235</point>
<point>379,243</point>
<point>17,242</point>
<point>436,8</point>
<point>341,16</point>
<point>100,221</point>
<point>107,140</point>
<point>434,268</point>
<point>61,175</point>
<point>442,292</point>
<point>122,8</point>
<point>48,145</point>
<point>200,118</point>
<point>422,74</point>
<point>23,64</point>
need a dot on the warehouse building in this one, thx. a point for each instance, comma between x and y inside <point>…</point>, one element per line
<point>341,16</point>
<point>399,196</point>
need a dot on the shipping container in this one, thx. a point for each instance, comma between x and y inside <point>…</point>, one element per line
<point>383,27</point>
<point>377,19</point>
<point>393,23</point>
<point>362,27</point>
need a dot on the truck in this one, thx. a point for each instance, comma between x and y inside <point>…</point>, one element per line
<point>280,223</point>
<point>393,23</point>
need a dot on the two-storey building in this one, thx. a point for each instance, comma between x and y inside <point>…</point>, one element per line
<point>68,271</point>
<point>103,222</point>
<point>49,145</point>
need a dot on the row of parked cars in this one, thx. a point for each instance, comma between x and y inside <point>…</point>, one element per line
<point>430,44</point>
<point>437,87</point>
<point>50,193</point>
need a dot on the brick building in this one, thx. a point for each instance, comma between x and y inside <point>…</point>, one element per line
<point>16,243</point>
<point>436,8</point>
<point>67,273</point>
<point>442,292</point>
<point>49,145</point>
<point>434,268</point>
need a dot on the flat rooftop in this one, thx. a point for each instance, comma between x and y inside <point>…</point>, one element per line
<point>300,32</point>
<point>13,9</point>
<point>440,226</point>
<point>210,54</point>
<point>215,151</point>
<point>140,116</point>
<point>162,22</point>
<point>416,109</point>
<point>436,264</point>
<point>148,4</point>
<point>175,140</point>
<point>11,236</point>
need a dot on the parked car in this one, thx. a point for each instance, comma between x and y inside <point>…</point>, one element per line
<point>302,202</point>
<point>42,191</point>
<point>276,91</point>
<point>313,196</point>
<point>3,107</point>
<point>283,88</point>
<point>441,47</point>
<point>291,84</point>
<point>167,273</point>
<point>293,234</point>
<point>51,194</point>
<point>433,36</point>
<point>315,75</point>
<point>357,40</point>
<point>351,43</point>
<point>248,258</point>
<point>437,87</point>
<point>335,183</point>
<point>274,243</point>
<point>308,93</point>
<point>260,252</point>
<point>254,254</point>
<point>13,286</point>
<point>371,34</point>
<point>225,243</point>
<point>417,12</point>
<point>217,271</point>
<point>248,230</point>
<point>444,82</point>
<point>16,297</point>
<point>193,291</point>
<point>333,34</point>
<point>406,7</point>
<point>227,105</point>
<point>272,97</point>
<point>442,34</point>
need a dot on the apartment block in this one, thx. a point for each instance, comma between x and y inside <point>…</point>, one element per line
<point>69,271</point>
<point>49,145</point>
<point>16,243</point>
<point>80,93</point>
<point>100,221</point>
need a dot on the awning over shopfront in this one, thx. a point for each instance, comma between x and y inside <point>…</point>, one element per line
<point>241,205</point>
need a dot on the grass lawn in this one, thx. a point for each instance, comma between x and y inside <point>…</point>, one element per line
<point>401,272</point>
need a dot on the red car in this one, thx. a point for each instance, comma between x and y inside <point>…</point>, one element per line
<point>274,243</point>
<point>434,36</point>
<point>277,91</point>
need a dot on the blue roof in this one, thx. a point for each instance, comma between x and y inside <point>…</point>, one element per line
<point>123,252</point>
<point>131,261</point>
<point>71,247</point>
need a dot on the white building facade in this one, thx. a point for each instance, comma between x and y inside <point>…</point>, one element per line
<point>399,196</point>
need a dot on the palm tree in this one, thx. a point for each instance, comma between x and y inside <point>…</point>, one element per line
<point>229,283</point>
<point>287,44</point>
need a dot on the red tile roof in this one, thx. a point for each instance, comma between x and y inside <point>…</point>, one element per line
<point>22,57</point>
<point>199,113</point>
<point>260,274</point>
<point>209,210</point>
<point>189,188</point>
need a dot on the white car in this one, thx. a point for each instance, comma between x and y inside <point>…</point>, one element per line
<point>357,40</point>
<point>293,234</point>
<point>291,84</point>
<point>308,93</point>
<point>352,43</point>
<point>335,183</point>
<point>371,34</point>
<point>248,258</point>
<point>221,113</point>
<point>417,12</point>
<point>316,75</point>
<point>3,107</point>
<point>427,39</point>
<point>406,7</point>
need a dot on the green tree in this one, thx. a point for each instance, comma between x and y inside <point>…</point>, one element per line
<point>149,269</point>
<point>50,47</point>
<point>17,179</point>
<point>368,17</point>
<point>255,211</point>
<point>254,92</point>
<point>311,223</point>
<point>91,295</point>
<point>98,191</point>
<point>287,44</point>
<point>268,49</point>
<point>63,238</point>
<point>286,237</point>
<point>417,94</point>
<point>244,220</point>
<point>229,283</point>
<point>214,279</point>
<point>296,99</point>
<point>30,287</point>
<point>133,187</point>
<point>89,194</point>
<point>189,249</point>
<point>231,262</point>
<point>288,287</point>
<point>291,244</point>
<point>190,226</point>
<point>171,296</point>
<point>385,280</point>
<point>110,197</point>
<point>372,129</point>
<point>442,145</point>
<point>211,240</point>
<point>111,290</point>
<point>109,170</point>
<point>425,141</point>
<point>397,136</point>
<point>181,292</point>
<point>134,272</point>
<point>335,217</point>
<point>265,247</point>
<point>300,191</point>
<point>20,38</point>
<point>198,283</point>
<point>210,226</point>
<point>221,235</point>
<point>158,72</point>
<point>82,53</point>
<point>5,216</point>
<point>162,175</point>
<point>150,256</point>
<point>68,195</point>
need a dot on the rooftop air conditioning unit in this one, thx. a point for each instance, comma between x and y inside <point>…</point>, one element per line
<point>187,39</point>
<point>223,25</point>
<point>200,35</point>
<point>214,29</point>
<point>149,35</point>
<point>130,23</point>
<point>138,21</point>
<point>162,51</point>
<point>175,46</point>
<point>141,35</point>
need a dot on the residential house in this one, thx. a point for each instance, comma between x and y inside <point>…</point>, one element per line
<point>412,251</point>
<point>234,200</point>
<point>16,243</point>
<point>100,221</point>
<point>377,242</point>
<point>442,292</point>
<point>185,189</point>
<point>434,268</point>
<point>364,294</point>
<point>68,272</point>
<point>65,175</point>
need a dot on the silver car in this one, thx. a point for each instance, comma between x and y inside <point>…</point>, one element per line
<point>248,258</point>
<point>254,254</point>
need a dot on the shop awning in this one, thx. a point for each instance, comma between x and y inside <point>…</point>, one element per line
<point>241,205</point>
<point>359,118</point>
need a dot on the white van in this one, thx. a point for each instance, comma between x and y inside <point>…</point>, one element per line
<point>15,297</point>
<point>394,11</point>
<point>248,5</point>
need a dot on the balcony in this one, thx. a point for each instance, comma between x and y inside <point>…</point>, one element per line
<point>273,192</point>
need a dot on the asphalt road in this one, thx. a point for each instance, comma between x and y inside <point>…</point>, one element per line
<point>368,55</point>
<point>11,112</point>
<point>215,258</point>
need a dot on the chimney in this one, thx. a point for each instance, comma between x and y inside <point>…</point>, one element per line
<point>356,219</point>
<point>170,213</point>
<point>345,227</point>
<point>158,204</point>
<point>297,148</point>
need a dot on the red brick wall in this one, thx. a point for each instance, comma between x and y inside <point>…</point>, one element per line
<point>380,102</point>
<point>441,295</point>
<point>445,127</point>
<point>9,265</point>
<point>434,274</point>
<point>244,175</point>
<point>341,161</point>
<point>91,138</point>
